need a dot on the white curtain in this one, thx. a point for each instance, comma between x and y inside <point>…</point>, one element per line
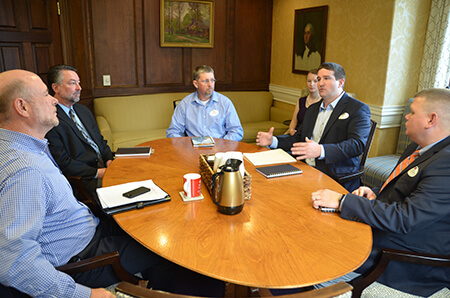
<point>435,67</point>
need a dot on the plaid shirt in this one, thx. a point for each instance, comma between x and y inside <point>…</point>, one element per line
<point>42,225</point>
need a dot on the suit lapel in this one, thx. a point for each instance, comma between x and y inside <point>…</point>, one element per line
<point>309,125</point>
<point>422,158</point>
<point>429,153</point>
<point>64,117</point>
<point>337,111</point>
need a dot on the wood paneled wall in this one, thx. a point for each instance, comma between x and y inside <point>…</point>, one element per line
<point>121,39</point>
<point>29,35</point>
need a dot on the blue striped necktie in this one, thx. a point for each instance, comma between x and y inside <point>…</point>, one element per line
<point>85,134</point>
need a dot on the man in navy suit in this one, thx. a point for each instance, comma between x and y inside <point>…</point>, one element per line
<point>334,131</point>
<point>412,209</point>
<point>76,143</point>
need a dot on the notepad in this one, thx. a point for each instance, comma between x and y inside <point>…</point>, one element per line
<point>269,157</point>
<point>113,201</point>
<point>278,171</point>
<point>133,151</point>
<point>203,141</point>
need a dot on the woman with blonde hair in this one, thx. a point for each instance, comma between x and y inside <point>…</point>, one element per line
<point>304,102</point>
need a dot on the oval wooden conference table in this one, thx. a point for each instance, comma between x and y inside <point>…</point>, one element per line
<point>277,241</point>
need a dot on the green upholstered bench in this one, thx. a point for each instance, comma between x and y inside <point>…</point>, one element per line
<point>377,169</point>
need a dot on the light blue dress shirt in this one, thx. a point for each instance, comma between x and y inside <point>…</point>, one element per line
<point>319,127</point>
<point>42,225</point>
<point>217,118</point>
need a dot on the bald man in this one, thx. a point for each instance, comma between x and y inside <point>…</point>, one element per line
<point>43,226</point>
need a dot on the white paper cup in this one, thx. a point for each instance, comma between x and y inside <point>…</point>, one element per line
<point>240,156</point>
<point>219,159</point>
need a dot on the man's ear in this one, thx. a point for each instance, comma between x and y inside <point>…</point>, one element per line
<point>432,119</point>
<point>55,87</point>
<point>341,82</point>
<point>195,83</point>
<point>22,107</point>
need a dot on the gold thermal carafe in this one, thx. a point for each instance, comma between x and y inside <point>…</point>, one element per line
<point>229,195</point>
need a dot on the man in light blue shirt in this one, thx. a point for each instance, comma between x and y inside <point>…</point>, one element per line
<point>42,225</point>
<point>205,112</point>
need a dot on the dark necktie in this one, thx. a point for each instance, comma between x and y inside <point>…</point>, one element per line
<point>400,167</point>
<point>86,135</point>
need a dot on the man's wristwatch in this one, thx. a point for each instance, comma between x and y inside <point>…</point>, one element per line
<point>341,200</point>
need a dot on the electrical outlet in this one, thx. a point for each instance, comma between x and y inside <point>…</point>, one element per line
<point>106,80</point>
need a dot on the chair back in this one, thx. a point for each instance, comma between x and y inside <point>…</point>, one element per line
<point>175,103</point>
<point>363,158</point>
<point>403,139</point>
<point>127,290</point>
<point>388,255</point>
<point>373,126</point>
<point>84,196</point>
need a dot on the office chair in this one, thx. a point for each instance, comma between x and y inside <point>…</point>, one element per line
<point>97,262</point>
<point>364,156</point>
<point>397,255</point>
<point>83,266</point>
<point>175,103</point>
<point>126,290</point>
<point>83,196</point>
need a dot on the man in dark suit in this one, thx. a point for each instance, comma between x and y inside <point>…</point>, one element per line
<point>76,143</point>
<point>411,211</point>
<point>334,131</point>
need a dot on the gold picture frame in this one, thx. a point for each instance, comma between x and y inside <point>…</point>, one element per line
<point>310,35</point>
<point>186,23</point>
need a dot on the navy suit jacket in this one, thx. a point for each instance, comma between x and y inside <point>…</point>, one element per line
<point>344,137</point>
<point>71,151</point>
<point>411,213</point>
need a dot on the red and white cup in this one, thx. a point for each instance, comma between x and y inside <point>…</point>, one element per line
<point>192,185</point>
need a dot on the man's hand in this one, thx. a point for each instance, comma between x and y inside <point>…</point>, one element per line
<point>307,149</point>
<point>366,192</point>
<point>325,198</point>
<point>101,293</point>
<point>108,162</point>
<point>264,138</point>
<point>100,173</point>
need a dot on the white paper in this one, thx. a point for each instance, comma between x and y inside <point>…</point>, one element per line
<point>111,196</point>
<point>275,156</point>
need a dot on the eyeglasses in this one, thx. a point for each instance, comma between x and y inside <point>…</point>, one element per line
<point>207,81</point>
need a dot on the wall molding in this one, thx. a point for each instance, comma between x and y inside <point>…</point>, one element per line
<point>385,116</point>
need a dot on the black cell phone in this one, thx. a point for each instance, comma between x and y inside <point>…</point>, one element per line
<point>135,192</point>
<point>327,209</point>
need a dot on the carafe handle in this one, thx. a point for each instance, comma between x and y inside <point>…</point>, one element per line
<point>213,186</point>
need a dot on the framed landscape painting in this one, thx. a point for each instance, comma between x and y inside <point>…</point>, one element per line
<point>310,35</point>
<point>187,23</point>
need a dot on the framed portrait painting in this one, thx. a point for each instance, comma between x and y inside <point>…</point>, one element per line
<point>186,23</point>
<point>310,32</point>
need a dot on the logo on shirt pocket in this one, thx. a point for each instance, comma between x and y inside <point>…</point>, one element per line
<point>214,113</point>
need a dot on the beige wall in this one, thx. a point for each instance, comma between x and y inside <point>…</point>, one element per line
<point>379,44</point>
